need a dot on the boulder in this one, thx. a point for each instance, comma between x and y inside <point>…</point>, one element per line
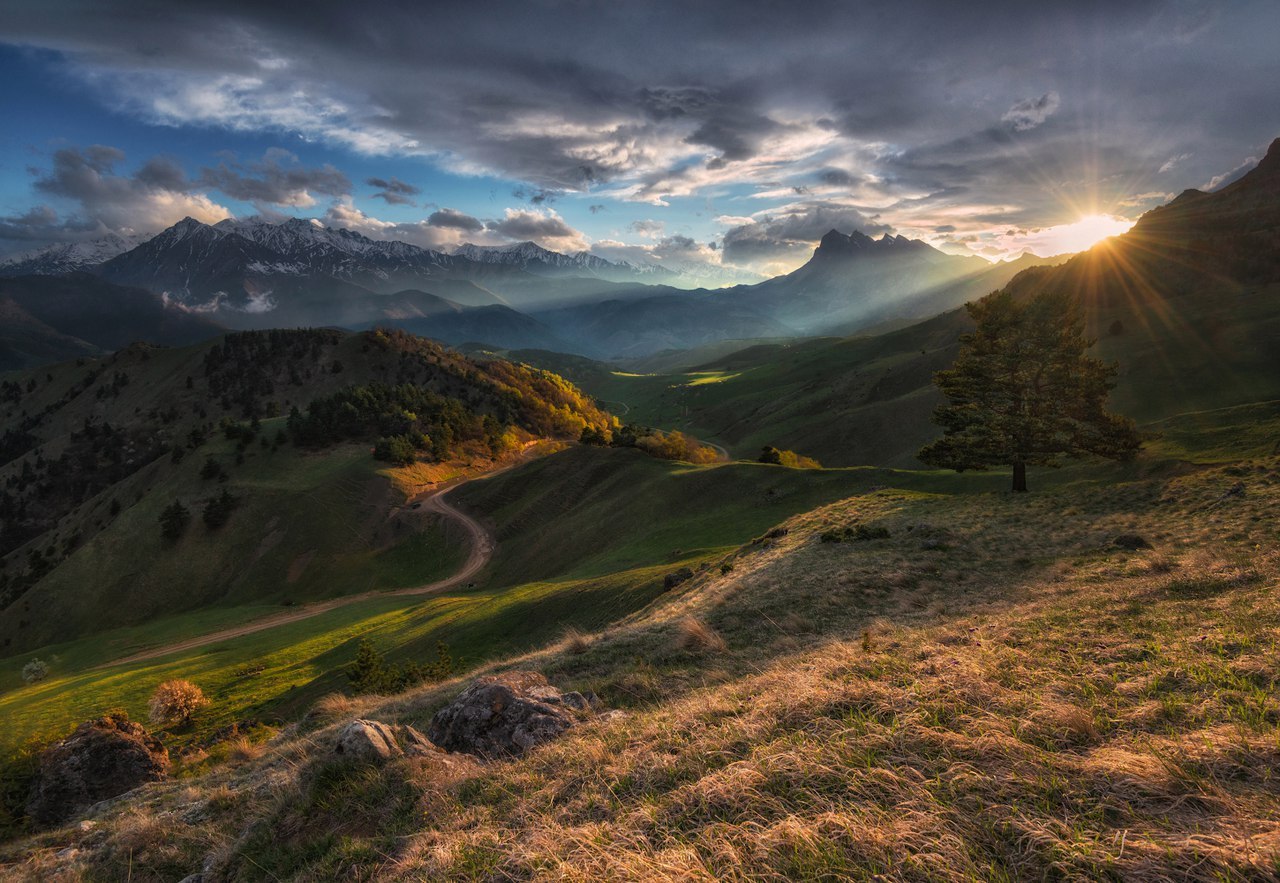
<point>365,740</point>
<point>102,759</point>
<point>504,715</point>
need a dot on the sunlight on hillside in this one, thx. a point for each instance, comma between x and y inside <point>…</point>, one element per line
<point>705,377</point>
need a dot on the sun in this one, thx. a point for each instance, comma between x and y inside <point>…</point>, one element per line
<point>1082,234</point>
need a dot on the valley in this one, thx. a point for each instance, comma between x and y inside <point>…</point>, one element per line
<point>473,548</point>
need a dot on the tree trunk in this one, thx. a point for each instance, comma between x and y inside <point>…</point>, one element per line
<point>1020,478</point>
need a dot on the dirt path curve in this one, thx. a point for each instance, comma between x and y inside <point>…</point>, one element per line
<point>483,545</point>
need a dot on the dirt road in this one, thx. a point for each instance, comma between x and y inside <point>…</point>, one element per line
<point>482,548</point>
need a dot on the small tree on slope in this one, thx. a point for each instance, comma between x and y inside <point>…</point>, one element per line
<point>1022,391</point>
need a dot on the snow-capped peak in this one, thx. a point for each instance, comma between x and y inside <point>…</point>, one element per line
<point>68,257</point>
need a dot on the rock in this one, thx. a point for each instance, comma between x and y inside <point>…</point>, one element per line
<point>501,716</point>
<point>675,578</point>
<point>416,744</point>
<point>1130,541</point>
<point>102,759</point>
<point>576,700</point>
<point>365,740</point>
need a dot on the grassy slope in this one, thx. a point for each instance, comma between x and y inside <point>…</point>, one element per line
<point>868,399</point>
<point>530,594</point>
<point>309,526</point>
<point>994,692</point>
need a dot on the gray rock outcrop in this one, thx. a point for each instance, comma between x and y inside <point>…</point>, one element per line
<point>102,759</point>
<point>505,715</point>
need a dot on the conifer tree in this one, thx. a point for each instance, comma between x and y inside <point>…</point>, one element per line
<point>1023,391</point>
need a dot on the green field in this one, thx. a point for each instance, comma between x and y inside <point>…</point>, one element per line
<point>586,538</point>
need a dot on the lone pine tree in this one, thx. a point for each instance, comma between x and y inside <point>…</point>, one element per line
<point>1023,391</point>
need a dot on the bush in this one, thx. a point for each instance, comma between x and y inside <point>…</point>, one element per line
<point>217,511</point>
<point>675,578</point>
<point>175,702</point>
<point>370,672</point>
<point>676,446</point>
<point>35,671</point>
<point>174,520</point>
<point>593,436</point>
<point>397,449</point>
<point>790,459</point>
<point>211,469</point>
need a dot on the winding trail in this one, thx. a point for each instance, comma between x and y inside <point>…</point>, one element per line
<point>483,546</point>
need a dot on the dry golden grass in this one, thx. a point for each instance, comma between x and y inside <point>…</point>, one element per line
<point>695,635</point>
<point>337,706</point>
<point>575,642</point>
<point>1029,703</point>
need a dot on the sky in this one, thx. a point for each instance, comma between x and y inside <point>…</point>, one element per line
<point>708,132</point>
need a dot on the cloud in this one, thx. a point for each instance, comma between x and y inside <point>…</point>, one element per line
<point>536,196</point>
<point>646,228</point>
<point>451,218</point>
<point>1219,181</point>
<point>393,191</point>
<point>1031,112</point>
<point>1172,162</point>
<point>102,199</point>
<point>927,126</point>
<point>546,228</point>
<point>277,179</point>
<point>431,233</point>
<point>697,263</point>
<point>781,239</point>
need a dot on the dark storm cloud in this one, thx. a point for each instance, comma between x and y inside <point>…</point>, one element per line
<point>1019,106</point>
<point>276,180</point>
<point>42,225</point>
<point>447,217</point>
<point>394,191</point>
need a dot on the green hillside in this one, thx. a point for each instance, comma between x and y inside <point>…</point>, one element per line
<point>586,538</point>
<point>93,452</point>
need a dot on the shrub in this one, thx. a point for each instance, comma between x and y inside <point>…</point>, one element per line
<point>396,449</point>
<point>211,469</point>
<point>593,436</point>
<point>35,671</point>
<point>789,459</point>
<point>175,702</point>
<point>370,672</point>
<point>676,446</point>
<point>217,511</point>
<point>675,578</point>
<point>174,520</point>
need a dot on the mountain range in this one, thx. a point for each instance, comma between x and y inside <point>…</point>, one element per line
<point>252,274</point>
